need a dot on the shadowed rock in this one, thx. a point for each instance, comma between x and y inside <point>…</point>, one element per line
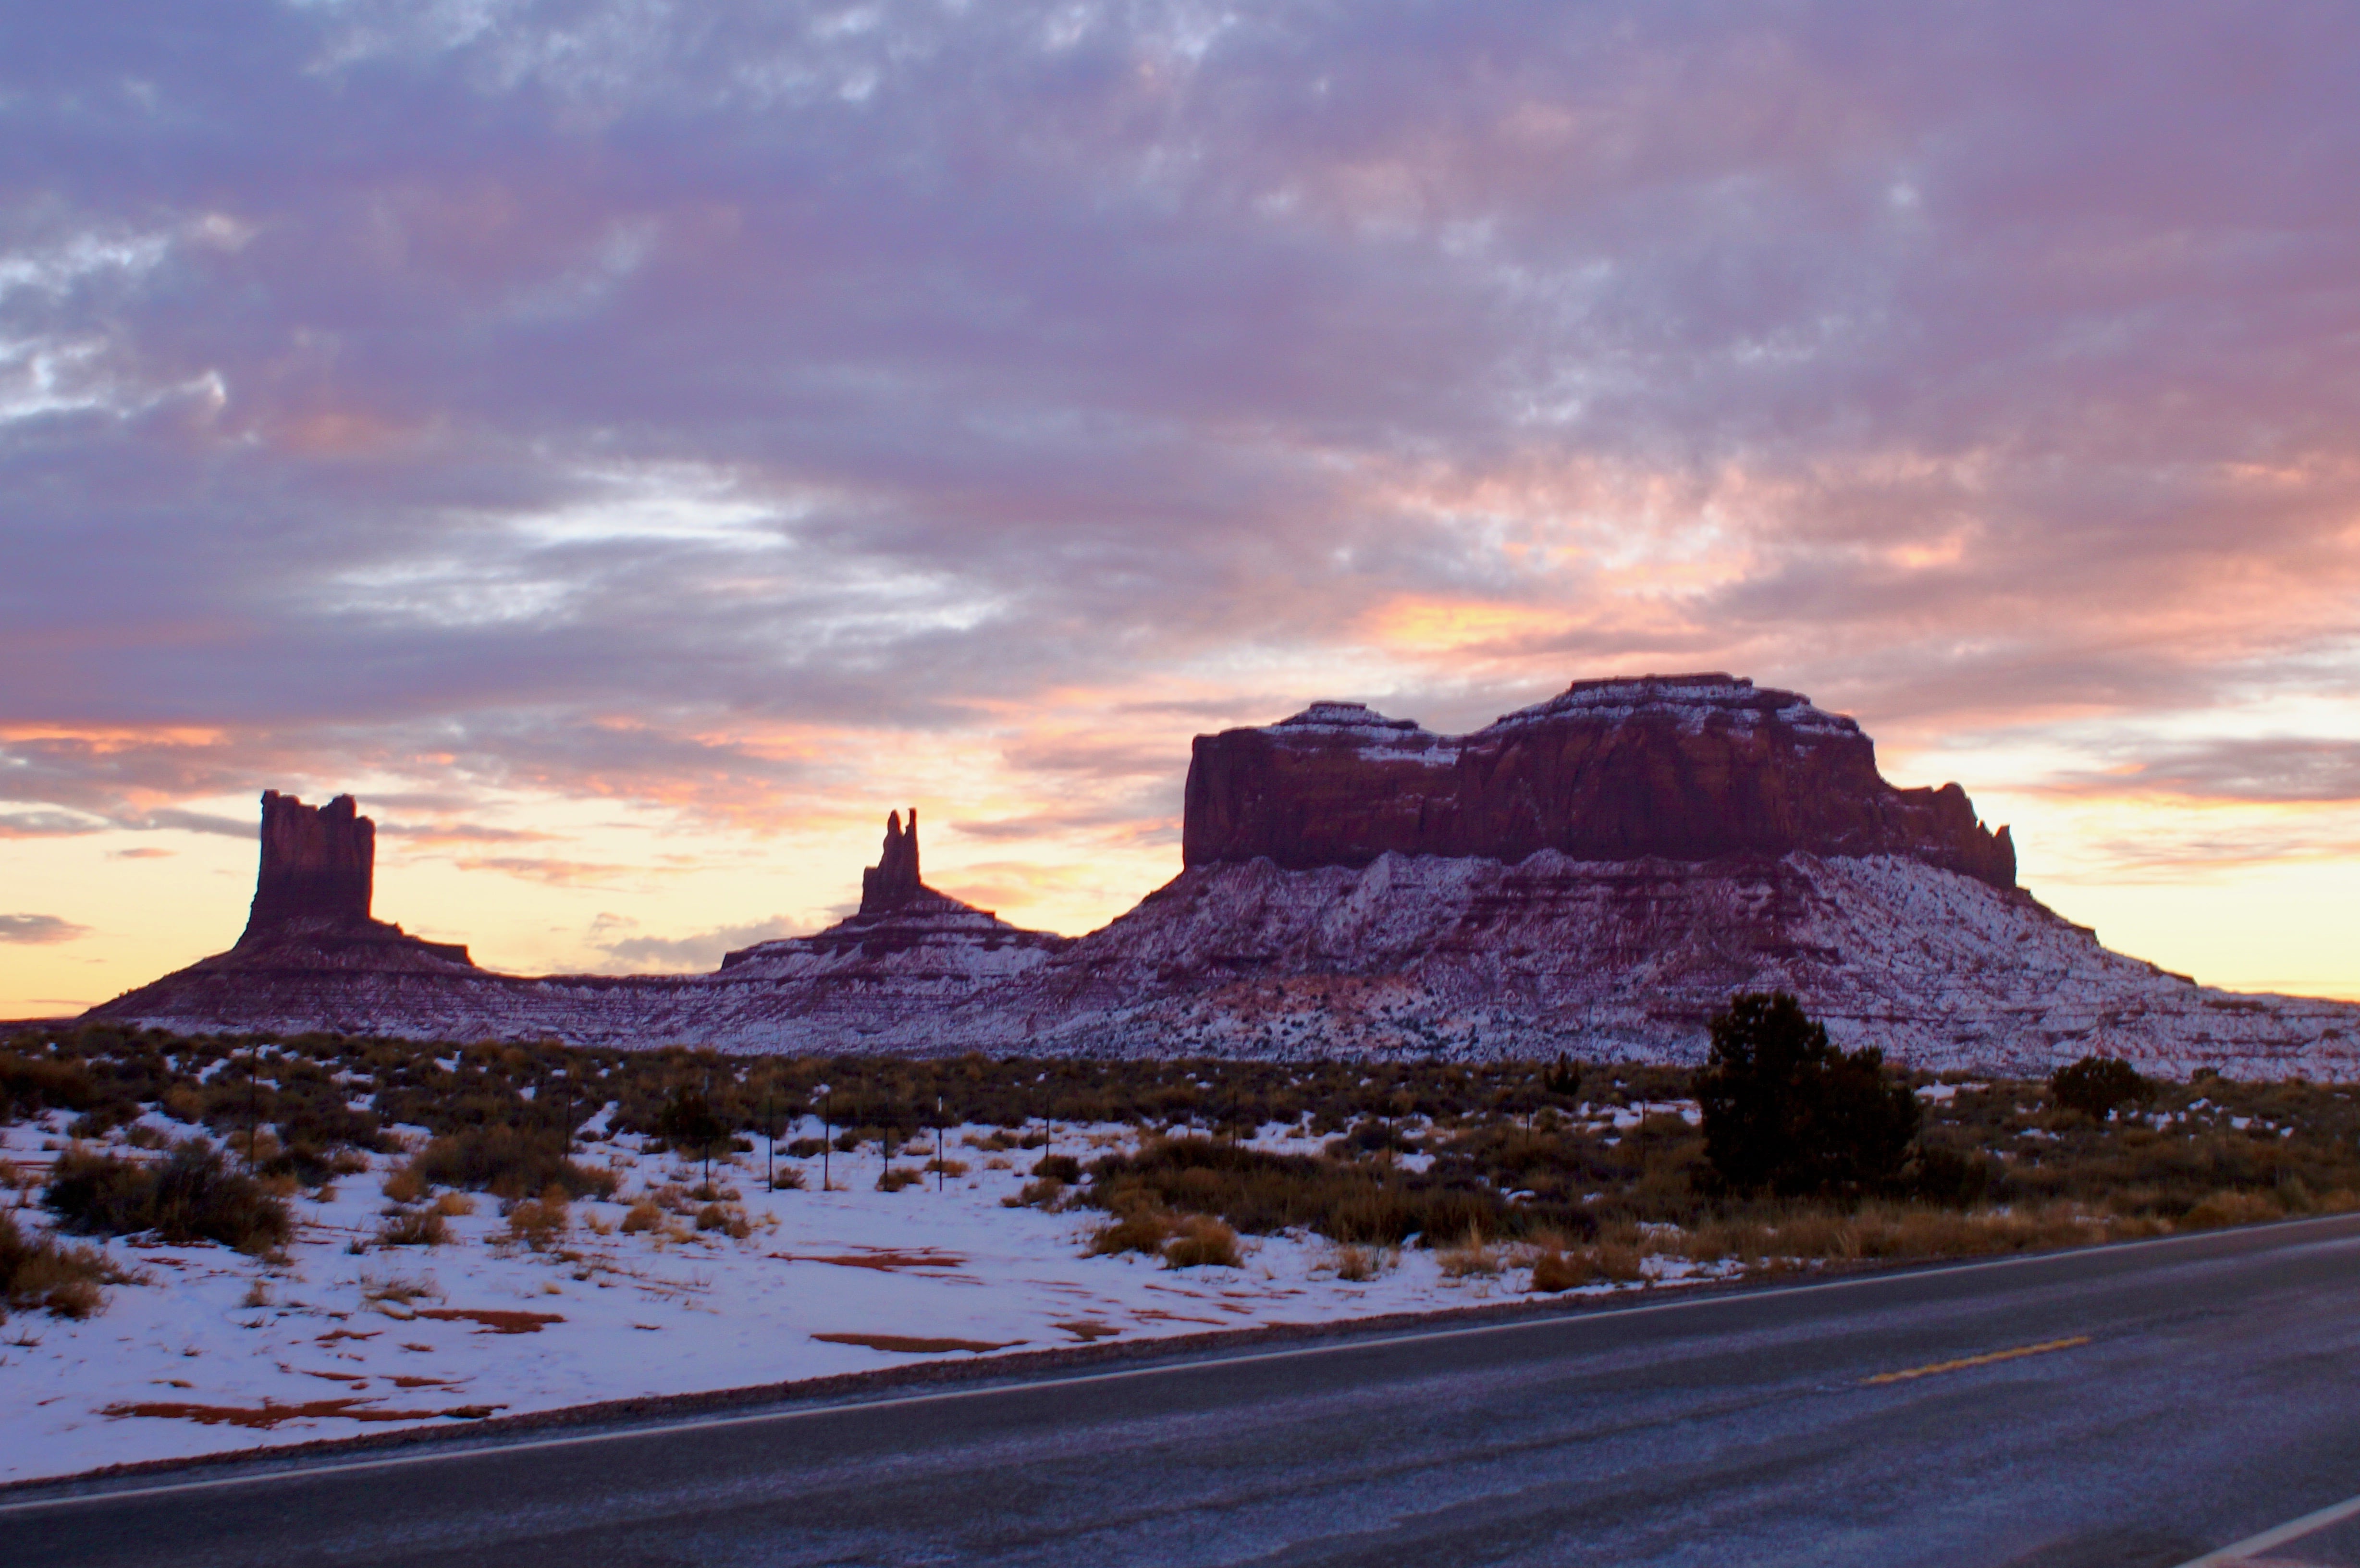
<point>893,881</point>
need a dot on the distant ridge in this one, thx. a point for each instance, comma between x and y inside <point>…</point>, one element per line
<point>1593,875</point>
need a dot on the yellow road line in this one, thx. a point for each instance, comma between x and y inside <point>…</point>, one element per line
<point>1983,1360</point>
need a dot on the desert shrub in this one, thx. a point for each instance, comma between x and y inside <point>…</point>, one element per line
<point>1358,1264</point>
<point>1047,1192</point>
<point>688,1123</point>
<point>1145,1229</point>
<point>1569,1269</point>
<point>413,1228</point>
<point>508,1163</point>
<point>1788,1112</point>
<point>1938,1174</point>
<point>190,1195</point>
<point>1265,1192</point>
<point>1198,1241</point>
<point>897,1177</point>
<point>30,1083</point>
<point>539,1223</point>
<point>643,1215</point>
<point>727,1219</point>
<point>1062,1168</point>
<point>39,1273</point>
<point>804,1148</point>
<point>2233,1209</point>
<point>788,1181</point>
<point>2095,1084</point>
<point>1557,1271</point>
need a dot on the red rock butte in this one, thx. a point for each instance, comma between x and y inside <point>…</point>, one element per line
<point>1666,766</point>
<point>317,862</point>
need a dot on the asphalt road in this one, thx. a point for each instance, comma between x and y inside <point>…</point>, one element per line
<point>2136,1405</point>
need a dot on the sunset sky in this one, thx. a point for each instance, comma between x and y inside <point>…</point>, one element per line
<point>631,446</point>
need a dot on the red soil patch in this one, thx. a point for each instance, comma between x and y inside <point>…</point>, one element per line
<point>405,1381</point>
<point>269,1415</point>
<point>346,1333</point>
<point>1087,1329</point>
<point>494,1320</point>
<point>333,1377</point>
<point>924,1258</point>
<point>905,1345</point>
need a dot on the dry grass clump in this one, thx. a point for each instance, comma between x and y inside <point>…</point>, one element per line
<point>1367,1203</point>
<point>539,1223</point>
<point>1358,1264</point>
<point>404,1185</point>
<point>1470,1259</point>
<point>1198,1241</point>
<point>646,1214</point>
<point>898,1177</point>
<point>1044,1192</point>
<point>1556,1269</point>
<point>452,1206</point>
<point>789,1180</point>
<point>1144,1230</point>
<point>413,1228</point>
<point>727,1219</point>
<point>1899,1232</point>
<point>396,1295</point>
<point>190,1195</point>
<point>2233,1209</point>
<point>39,1273</point>
<point>1182,1241</point>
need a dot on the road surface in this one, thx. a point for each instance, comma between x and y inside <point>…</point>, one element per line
<point>2146,1404</point>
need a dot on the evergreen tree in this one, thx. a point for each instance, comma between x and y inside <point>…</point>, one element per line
<point>1787,1112</point>
<point>687,1122</point>
<point>2096,1085</point>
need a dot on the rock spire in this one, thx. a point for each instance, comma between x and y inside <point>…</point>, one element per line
<point>319,863</point>
<point>893,881</point>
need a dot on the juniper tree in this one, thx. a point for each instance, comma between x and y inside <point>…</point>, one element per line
<point>1788,1112</point>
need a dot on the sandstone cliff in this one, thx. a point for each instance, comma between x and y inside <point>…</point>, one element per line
<point>317,862</point>
<point>1690,768</point>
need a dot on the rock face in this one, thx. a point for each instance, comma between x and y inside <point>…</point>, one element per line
<point>317,862</point>
<point>1689,767</point>
<point>1595,875</point>
<point>893,881</point>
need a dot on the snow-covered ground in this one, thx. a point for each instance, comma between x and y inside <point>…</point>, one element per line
<point>219,1351</point>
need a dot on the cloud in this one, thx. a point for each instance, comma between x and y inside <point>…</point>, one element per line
<point>38,930</point>
<point>701,952</point>
<point>2287,769</point>
<point>724,413</point>
<point>45,825</point>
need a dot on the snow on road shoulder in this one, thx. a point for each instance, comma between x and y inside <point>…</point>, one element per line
<point>219,1351</point>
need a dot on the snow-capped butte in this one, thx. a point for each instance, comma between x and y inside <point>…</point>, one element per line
<point>1594,875</point>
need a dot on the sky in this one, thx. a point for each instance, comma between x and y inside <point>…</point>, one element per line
<point>632,446</point>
